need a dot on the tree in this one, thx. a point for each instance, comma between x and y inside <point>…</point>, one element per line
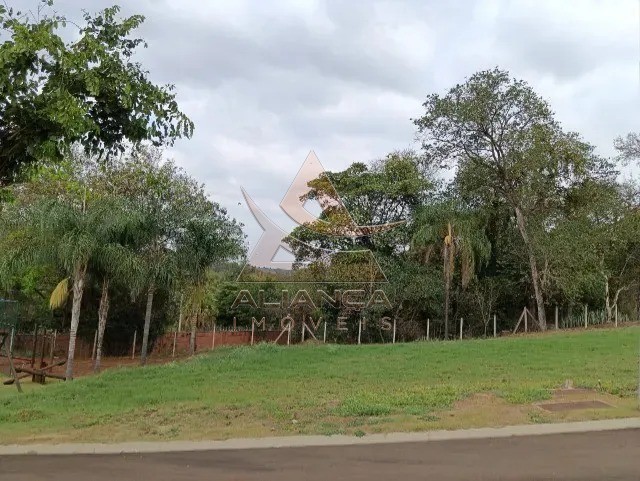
<point>55,93</point>
<point>458,234</point>
<point>209,236</point>
<point>67,231</point>
<point>387,190</point>
<point>506,145</point>
<point>484,296</point>
<point>628,146</point>
<point>115,260</point>
<point>177,217</point>
<point>160,191</point>
<point>594,248</point>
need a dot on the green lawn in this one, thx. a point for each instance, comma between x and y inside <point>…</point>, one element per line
<point>274,390</point>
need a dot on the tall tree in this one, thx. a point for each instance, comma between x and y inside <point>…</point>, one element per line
<point>177,217</point>
<point>67,231</point>
<point>209,237</point>
<point>628,147</point>
<point>594,248</point>
<point>387,190</point>
<point>506,145</point>
<point>458,234</point>
<point>115,261</point>
<point>55,93</point>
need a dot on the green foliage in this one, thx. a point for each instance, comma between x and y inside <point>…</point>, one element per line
<point>509,150</point>
<point>469,247</point>
<point>134,222</point>
<point>386,191</point>
<point>55,93</point>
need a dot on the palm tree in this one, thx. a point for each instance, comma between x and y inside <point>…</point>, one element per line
<point>199,305</point>
<point>116,261</point>
<point>157,268</point>
<point>459,235</point>
<point>173,206</point>
<point>209,237</point>
<point>161,193</point>
<point>63,233</point>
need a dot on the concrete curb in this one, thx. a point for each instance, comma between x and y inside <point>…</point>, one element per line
<point>316,441</point>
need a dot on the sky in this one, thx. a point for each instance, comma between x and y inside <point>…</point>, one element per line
<point>266,81</point>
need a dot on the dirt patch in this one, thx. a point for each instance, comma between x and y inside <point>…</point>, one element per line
<point>575,405</point>
<point>482,409</point>
<point>84,367</point>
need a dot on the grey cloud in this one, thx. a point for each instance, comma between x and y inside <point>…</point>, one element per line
<point>565,47</point>
<point>210,55</point>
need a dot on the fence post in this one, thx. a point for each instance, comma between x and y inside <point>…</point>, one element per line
<point>93,349</point>
<point>213,336</point>
<point>53,344</point>
<point>12,369</point>
<point>175,339</point>
<point>556,314</point>
<point>253,328</point>
<point>288,333</point>
<point>175,336</point>
<point>33,348</point>
<point>461,324</point>
<point>13,335</point>
<point>359,330</point>
<point>586,313</point>
<point>394,330</point>
<point>616,315</point>
<point>133,347</point>
<point>495,332</point>
<point>428,322</point>
<point>44,340</point>
<point>526,320</point>
<point>324,336</point>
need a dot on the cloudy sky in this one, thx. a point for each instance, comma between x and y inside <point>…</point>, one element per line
<point>265,81</point>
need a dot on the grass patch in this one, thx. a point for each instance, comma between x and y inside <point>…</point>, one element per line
<point>278,390</point>
<point>526,395</point>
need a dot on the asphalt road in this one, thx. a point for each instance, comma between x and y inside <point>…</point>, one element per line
<point>609,455</point>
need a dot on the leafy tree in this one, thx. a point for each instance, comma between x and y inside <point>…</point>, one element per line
<point>458,234</point>
<point>67,231</point>
<point>507,146</point>
<point>182,232</point>
<point>386,191</point>
<point>116,261</point>
<point>55,93</point>
<point>159,191</point>
<point>209,237</point>
<point>594,248</point>
<point>628,146</point>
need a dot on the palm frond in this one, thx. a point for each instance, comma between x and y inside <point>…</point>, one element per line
<point>60,294</point>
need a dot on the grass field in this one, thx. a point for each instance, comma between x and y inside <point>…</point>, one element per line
<point>327,389</point>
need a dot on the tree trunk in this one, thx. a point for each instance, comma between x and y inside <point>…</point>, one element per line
<point>103,311</point>
<point>147,324</point>
<point>607,300</point>
<point>535,277</point>
<point>192,339</point>
<point>79,275</point>
<point>447,289</point>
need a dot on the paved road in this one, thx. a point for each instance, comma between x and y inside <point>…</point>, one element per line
<point>609,455</point>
